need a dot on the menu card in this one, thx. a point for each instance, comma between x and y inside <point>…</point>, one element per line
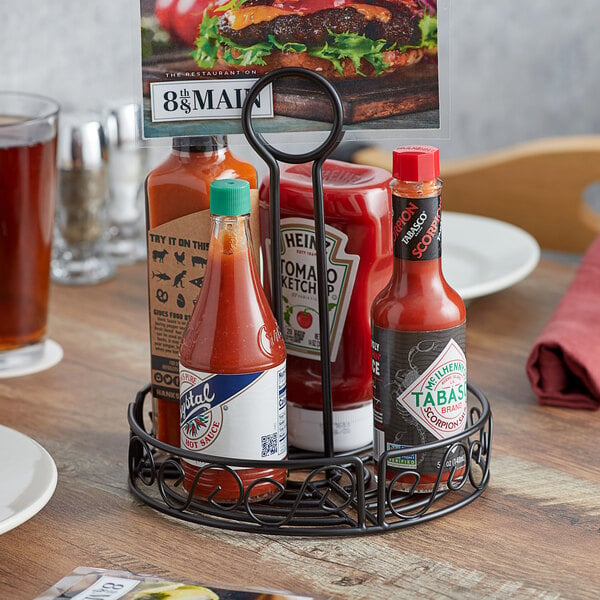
<point>86,583</point>
<point>201,57</point>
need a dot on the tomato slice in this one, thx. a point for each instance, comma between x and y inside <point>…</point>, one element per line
<point>164,12</point>
<point>187,16</point>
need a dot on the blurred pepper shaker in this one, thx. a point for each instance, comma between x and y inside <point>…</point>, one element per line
<point>81,209</point>
<point>128,166</point>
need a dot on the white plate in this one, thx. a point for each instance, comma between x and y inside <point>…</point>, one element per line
<point>27,478</point>
<point>481,255</point>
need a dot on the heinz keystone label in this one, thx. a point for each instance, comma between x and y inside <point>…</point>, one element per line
<point>299,286</point>
<point>234,415</point>
<point>419,393</point>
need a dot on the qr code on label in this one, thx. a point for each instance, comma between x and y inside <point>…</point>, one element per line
<point>269,444</point>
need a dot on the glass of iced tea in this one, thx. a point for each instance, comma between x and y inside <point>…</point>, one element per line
<point>28,126</point>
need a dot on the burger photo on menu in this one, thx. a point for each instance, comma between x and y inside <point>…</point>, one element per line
<point>380,54</point>
<point>337,38</point>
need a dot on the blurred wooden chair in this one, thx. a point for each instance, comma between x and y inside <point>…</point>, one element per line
<point>540,186</point>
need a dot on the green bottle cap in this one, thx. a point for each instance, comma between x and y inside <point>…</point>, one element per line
<point>229,197</point>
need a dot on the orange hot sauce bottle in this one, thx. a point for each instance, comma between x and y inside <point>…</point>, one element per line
<point>418,335</point>
<point>232,363</point>
<point>176,188</point>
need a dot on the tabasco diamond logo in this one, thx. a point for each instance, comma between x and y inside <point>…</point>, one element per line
<point>438,398</point>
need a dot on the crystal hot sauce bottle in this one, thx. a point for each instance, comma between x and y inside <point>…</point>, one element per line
<point>232,362</point>
<point>418,334</point>
<point>177,206</point>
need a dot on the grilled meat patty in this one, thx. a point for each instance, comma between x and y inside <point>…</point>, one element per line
<point>313,28</point>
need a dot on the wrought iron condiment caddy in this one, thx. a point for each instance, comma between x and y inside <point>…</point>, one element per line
<point>325,494</point>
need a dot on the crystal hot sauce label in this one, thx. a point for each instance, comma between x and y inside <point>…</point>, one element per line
<point>234,415</point>
<point>416,229</point>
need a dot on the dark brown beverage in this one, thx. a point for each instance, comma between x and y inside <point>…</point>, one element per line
<point>27,196</point>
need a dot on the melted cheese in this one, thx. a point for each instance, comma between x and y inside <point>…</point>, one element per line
<point>371,13</point>
<point>253,15</point>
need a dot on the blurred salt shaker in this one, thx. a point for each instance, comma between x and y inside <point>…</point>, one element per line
<point>128,166</point>
<point>82,201</point>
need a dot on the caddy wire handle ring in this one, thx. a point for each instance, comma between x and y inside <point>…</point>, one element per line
<point>269,152</point>
<point>317,156</point>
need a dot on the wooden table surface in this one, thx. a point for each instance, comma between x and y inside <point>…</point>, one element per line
<point>534,533</point>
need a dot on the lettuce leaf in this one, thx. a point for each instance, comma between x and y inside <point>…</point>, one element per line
<point>288,46</point>
<point>207,43</point>
<point>354,47</point>
<point>428,27</point>
<point>231,5</point>
<point>340,46</point>
<point>246,55</point>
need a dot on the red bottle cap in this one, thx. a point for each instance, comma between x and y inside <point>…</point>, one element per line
<point>416,163</point>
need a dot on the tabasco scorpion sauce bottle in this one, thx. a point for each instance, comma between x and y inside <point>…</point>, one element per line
<point>232,362</point>
<point>418,335</point>
<point>177,208</point>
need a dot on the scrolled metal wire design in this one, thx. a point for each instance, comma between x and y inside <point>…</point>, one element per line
<point>443,484</point>
<point>322,496</point>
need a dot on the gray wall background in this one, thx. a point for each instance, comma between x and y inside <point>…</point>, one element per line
<point>518,70</point>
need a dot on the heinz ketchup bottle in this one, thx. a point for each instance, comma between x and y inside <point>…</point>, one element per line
<point>232,362</point>
<point>357,207</point>
<point>418,335</point>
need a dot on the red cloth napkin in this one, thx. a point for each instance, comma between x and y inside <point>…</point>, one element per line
<point>564,363</point>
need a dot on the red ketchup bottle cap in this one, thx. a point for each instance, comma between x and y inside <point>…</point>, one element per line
<point>416,163</point>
